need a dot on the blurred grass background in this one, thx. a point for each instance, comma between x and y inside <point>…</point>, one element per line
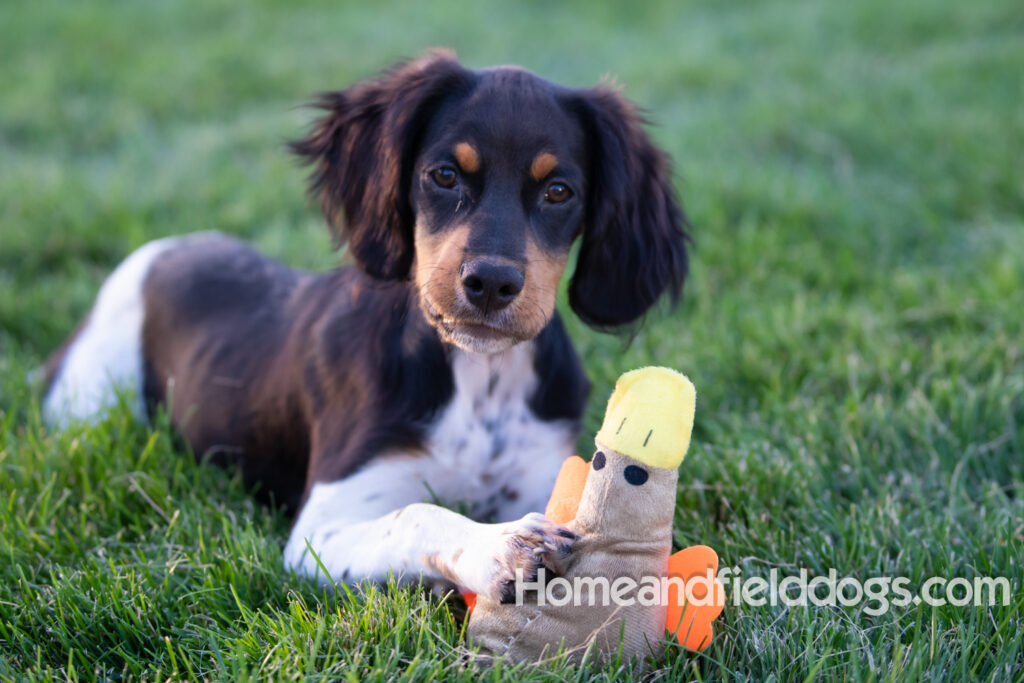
<point>854,319</point>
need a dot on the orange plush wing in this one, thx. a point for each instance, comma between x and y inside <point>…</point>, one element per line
<point>562,505</point>
<point>691,621</point>
<point>568,490</point>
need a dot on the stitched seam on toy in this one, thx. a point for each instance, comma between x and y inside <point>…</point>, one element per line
<point>512,638</point>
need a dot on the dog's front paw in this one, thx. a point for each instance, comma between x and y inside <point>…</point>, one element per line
<point>527,544</point>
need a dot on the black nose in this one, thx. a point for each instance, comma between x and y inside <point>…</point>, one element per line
<point>490,286</point>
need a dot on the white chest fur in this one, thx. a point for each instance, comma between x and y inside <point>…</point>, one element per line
<point>491,452</point>
<point>487,455</point>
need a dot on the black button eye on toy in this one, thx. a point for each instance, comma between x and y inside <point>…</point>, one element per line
<point>635,475</point>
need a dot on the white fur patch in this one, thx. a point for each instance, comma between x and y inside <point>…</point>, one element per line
<point>487,452</point>
<point>490,451</point>
<point>106,356</point>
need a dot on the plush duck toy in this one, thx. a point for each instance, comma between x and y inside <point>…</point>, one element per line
<point>621,506</point>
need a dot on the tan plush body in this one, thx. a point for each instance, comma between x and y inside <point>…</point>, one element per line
<point>623,533</point>
<point>624,522</point>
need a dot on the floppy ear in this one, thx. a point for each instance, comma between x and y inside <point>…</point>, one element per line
<point>634,246</point>
<point>363,150</point>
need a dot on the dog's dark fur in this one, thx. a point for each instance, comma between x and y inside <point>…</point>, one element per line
<point>303,378</point>
<point>366,148</point>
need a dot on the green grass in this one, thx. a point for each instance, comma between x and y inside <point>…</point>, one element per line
<point>854,321</point>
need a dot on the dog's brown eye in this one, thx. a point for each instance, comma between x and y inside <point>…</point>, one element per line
<point>557,193</point>
<point>444,177</point>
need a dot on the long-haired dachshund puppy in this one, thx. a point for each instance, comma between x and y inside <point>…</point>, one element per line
<point>436,369</point>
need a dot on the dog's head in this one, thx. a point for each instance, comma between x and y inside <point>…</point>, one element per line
<point>476,183</point>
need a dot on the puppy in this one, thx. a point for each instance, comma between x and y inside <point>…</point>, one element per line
<point>436,370</point>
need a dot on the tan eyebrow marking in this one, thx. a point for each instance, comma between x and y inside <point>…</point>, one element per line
<point>467,157</point>
<point>542,165</point>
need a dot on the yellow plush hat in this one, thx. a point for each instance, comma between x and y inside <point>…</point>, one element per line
<point>650,416</point>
